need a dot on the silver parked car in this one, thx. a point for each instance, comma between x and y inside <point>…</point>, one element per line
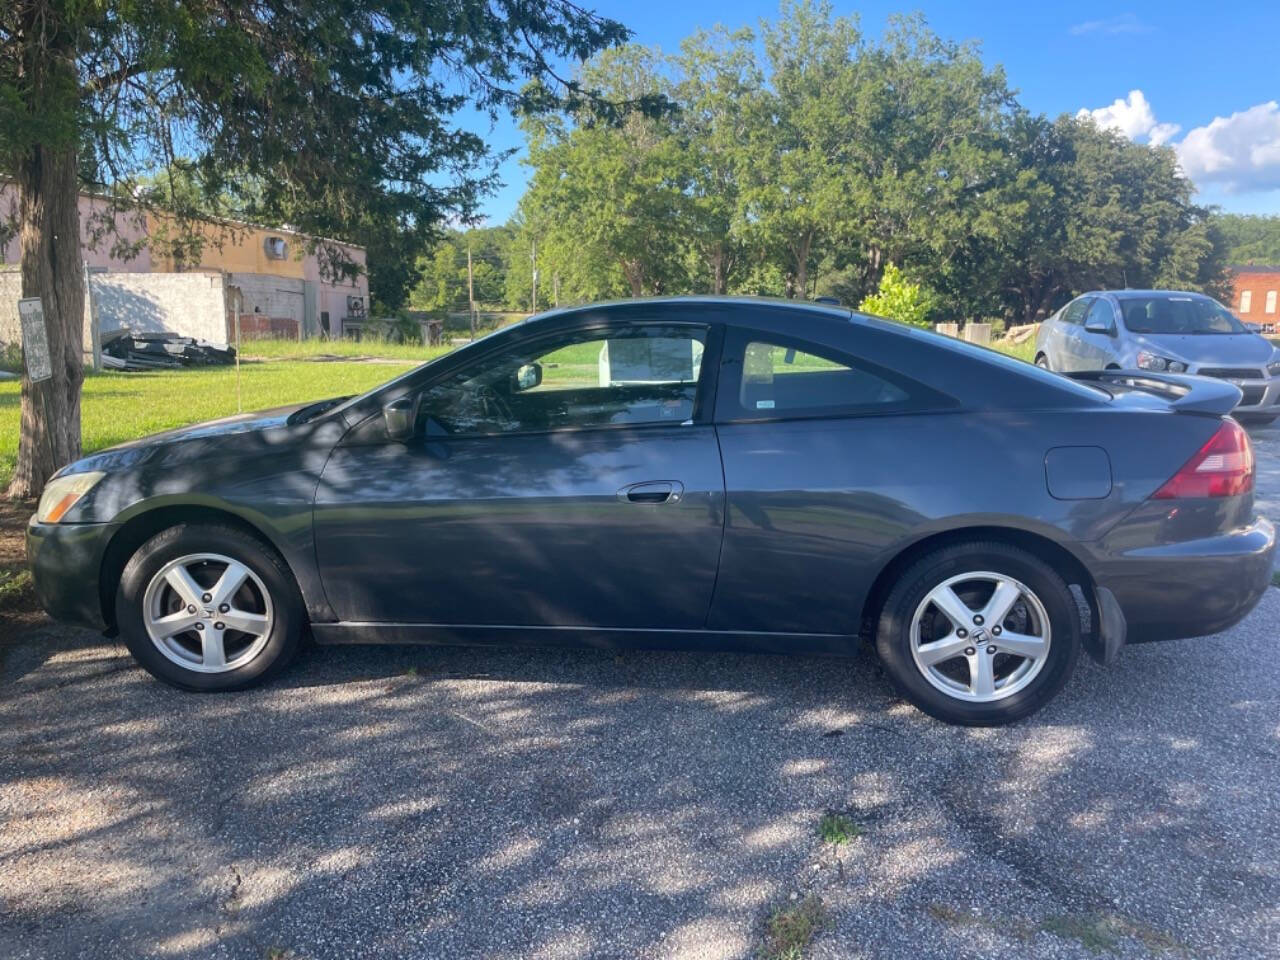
<point>1164,331</point>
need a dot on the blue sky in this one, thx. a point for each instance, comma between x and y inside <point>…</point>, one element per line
<point>1210,70</point>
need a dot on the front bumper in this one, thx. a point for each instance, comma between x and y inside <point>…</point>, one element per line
<point>1187,588</point>
<point>1259,395</point>
<point>66,563</point>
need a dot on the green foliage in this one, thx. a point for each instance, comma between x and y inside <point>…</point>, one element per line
<point>838,829</point>
<point>803,160</point>
<point>1251,239</point>
<point>900,299</point>
<point>338,118</point>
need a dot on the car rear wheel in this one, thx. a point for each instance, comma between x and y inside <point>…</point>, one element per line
<point>979,634</point>
<point>1255,419</point>
<point>209,607</point>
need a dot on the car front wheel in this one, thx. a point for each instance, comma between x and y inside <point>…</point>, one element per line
<point>209,607</point>
<point>979,634</point>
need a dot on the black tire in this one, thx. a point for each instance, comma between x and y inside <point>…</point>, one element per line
<point>894,640</point>
<point>1255,419</point>
<point>287,621</point>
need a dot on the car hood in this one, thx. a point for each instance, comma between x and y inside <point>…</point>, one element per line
<point>239,423</point>
<point>144,449</point>
<point>1219,349</point>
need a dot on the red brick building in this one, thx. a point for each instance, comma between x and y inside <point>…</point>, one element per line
<point>1255,294</point>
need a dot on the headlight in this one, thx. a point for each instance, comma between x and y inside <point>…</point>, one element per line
<point>1149,361</point>
<point>1273,368</point>
<point>63,493</point>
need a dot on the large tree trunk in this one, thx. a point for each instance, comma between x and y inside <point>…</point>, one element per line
<point>49,225</point>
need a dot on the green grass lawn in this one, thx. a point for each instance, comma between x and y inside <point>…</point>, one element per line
<point>123,406</point>
<point>312,349</point>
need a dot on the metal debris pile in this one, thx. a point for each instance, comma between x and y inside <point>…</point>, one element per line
<point>125,350</point>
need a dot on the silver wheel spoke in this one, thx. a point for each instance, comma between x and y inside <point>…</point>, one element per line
<point>1020,645</point>
<point>980,636</point>
<point>183,585</point>
<point>213,654</point>
<point>956,610</point>
<point>175,623</point>
<point>938,651</point>
<point>194,635</point>
<point>982,678</point>
<point>255,623</point>
<point>1002,600</point>
<point>231,580</point>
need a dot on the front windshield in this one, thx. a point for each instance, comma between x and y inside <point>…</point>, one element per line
<point>1178,315</point>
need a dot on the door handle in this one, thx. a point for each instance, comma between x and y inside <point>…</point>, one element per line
<point>652,491</point>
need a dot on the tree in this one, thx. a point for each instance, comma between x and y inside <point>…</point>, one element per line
<point>338,115</point>
<point>1250,239</point>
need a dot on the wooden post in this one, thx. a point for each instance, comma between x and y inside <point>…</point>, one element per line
<point>95,332</point>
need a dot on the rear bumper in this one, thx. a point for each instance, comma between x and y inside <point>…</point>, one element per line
<point>66,562</point>
<point>1189,588</point>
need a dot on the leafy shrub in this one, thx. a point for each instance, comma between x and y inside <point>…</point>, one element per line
<point>900,299</point>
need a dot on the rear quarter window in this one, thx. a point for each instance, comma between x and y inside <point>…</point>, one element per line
<point>780,379</point>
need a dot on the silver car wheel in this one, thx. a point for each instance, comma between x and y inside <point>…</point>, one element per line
<point>980,637</point>
<point>207,612</point>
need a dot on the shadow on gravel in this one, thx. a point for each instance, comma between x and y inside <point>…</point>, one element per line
<point>499,803</point>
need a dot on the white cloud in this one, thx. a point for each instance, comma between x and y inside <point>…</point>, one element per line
<point>1111,26</point>
<point>1240,152</point>
<point>1133,117</point>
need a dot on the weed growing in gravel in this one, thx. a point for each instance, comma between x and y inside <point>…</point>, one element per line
<point>838,828</point>
<point>789,930</point>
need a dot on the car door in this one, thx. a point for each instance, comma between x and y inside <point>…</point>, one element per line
<point>808,506</point>
<point>568,480</point>
<point>1069,353</point>
<point>1095,337</point>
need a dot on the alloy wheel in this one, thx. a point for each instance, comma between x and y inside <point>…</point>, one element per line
<point>980,637</point>
<point>207,612</point>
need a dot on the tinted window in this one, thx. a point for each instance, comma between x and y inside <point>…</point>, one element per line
<point>782,379</point>
<point>1076,310</point>
<point>1178,315</point>
<point>635,375</point>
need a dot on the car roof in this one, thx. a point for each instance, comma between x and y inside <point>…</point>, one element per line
<point>1133,294</point>
<point>800,306</point>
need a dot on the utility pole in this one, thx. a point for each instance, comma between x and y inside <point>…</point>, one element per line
<point>555,287</point>
<point>471,292</point>
<point>533,259</point>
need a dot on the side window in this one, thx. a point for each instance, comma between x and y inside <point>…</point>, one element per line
<point>1101,313</point>
<point>1076,310</point>
<point>778,380</point>
<point>642,374</point>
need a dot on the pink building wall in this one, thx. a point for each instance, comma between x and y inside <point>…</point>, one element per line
<point>131,229</point>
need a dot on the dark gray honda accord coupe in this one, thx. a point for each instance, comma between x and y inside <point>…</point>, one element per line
<point>688,473</point>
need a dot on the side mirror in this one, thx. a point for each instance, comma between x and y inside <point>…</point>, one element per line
<point>1093,326</point>
<point>527,377</point>
<point>398,418</point>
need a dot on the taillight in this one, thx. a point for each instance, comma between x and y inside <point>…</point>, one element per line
<point>1222,468</point>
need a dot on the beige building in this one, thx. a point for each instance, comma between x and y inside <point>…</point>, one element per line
<point>279,278</point>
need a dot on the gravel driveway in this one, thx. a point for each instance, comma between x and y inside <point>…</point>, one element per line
<point>417,802</point>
